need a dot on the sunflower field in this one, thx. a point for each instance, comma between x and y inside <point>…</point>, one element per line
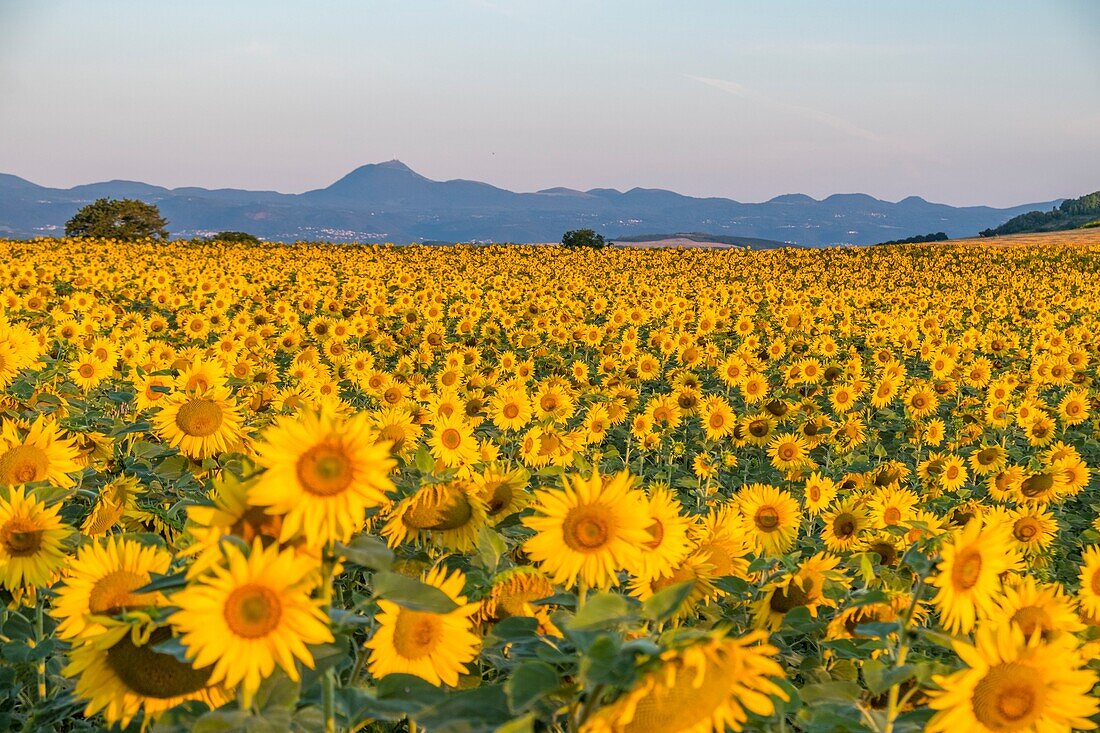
<point>514,489</point>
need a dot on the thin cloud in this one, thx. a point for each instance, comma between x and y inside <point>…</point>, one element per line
<point>809,113</point>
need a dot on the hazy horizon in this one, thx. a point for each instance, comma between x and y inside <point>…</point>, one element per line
<point>983,104</point>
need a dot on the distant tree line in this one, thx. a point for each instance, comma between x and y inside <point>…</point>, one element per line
<point>1070,214</point>
<point>130,219</point>
<point>920,239</point>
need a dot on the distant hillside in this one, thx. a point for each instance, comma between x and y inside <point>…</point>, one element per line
<point>389,202</point>
<point>1070,214</point>
<point>752,242</point>
<point>920,239</point>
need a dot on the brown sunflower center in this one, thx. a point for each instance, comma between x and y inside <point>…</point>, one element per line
<point>325,470</point>
<point>253,611</point>
<point>23,464</point>
<point>416,634</point>
<point>892,515</point>
<point>256,522</point>
<point>199,417</point>
<point>498,496</point>
<point>1031,619</point>
<point>86,370</point>
<point>845,525</point>
<point>149,673</point>
<point>1037,485</point>
<point>967,569</point>
<point>450,438</point>
<point>788,451</point>
<point>1025,529</point>
<point>114,592</point>
<point>1010,697</point>
<point>795,594</point>
<point>511,411</point>
<point>766,519</point>
<point>588,528</point>
<point>21,537</point>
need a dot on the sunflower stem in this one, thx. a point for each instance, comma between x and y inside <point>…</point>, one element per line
<point>892,706</point>
<point>40,637</point>
<point>328,682</point>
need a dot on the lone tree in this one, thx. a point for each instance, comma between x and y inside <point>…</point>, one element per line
<point>236,238</point>
<point>583,238</point>
<point>118,218</point>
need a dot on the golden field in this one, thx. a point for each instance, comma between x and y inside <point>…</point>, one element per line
<point>314,487</point>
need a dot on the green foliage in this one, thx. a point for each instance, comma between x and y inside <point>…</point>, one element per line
<point>1070,214</point>
<point>577,238</point>
<point>236,238</point>
<point>920,239</point>
<point>126,219</point>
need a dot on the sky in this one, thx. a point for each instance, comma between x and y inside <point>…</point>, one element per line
<point>966,103</point>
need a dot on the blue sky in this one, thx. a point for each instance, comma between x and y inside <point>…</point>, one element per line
<point>961,102</point>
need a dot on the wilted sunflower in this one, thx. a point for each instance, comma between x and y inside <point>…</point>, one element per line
<point>31,536</point>
<point>504,491</point>
<point>101,580</point>
<point>323,473</point>
<point>201,424</point>
<point>1015,684</point>
<point>771,518</point>
<point>436,647</point>
<point>969,577</point>
<point>513,592</point>
<point>38,454</point>
<point>447,515</point>
<point>589,530</point>
<point>248,615</point>
<point>711,685</point>
<point>120,673</point>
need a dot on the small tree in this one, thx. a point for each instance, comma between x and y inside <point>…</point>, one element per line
<point>236,238</point>
<point>118,218</point>
<point>583,238</point>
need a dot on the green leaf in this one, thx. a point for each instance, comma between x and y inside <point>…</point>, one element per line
<point>830,692</point>
<point>424,461</point>
<point>530,682</point>
<point>411,593</point>
<point>367,551</point>
<point>490,548</point>
<point>665,602</point>
<point>159,582</point>
<point>602,610</point>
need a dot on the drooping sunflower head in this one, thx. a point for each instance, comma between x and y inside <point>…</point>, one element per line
<point>446,515</point>
<point>712,685</point>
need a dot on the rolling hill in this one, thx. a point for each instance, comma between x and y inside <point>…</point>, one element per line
<point>388,201</point>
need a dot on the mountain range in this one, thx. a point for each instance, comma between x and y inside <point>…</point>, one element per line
<point>389,202</point>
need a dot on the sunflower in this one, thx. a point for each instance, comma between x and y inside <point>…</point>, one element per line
<point>589,530</point>
<point>788,452</point>
<point>1033,528</point>
<point>669,543</point>
<point>989,459</point>
<point>88,371</point>
<point>510,409</point>
<point>969,574</point>
<point>452,442</point>
<point>31,537</point>
<point>323,473</point>
<point>803,588</point>
<point>513,593</point>
<point>447,515</point>
<point>504,491</point>
<point>202,424</point>
<point>843,525</point>
<point>718,419</point>
<point>952,473</point>
<point>1015,684</point>
<point>718,534</point>
<point>818,492</point>
<point>39,454</point>
<point>695,569</point>
<point>248,615</point>
<point>771,518</point>
<point>436,647</point>
<point>891,507</point>
<point>1089,594</point>
<point>121,674</point>
<point>711,685</point>
<point>1036,608</point>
